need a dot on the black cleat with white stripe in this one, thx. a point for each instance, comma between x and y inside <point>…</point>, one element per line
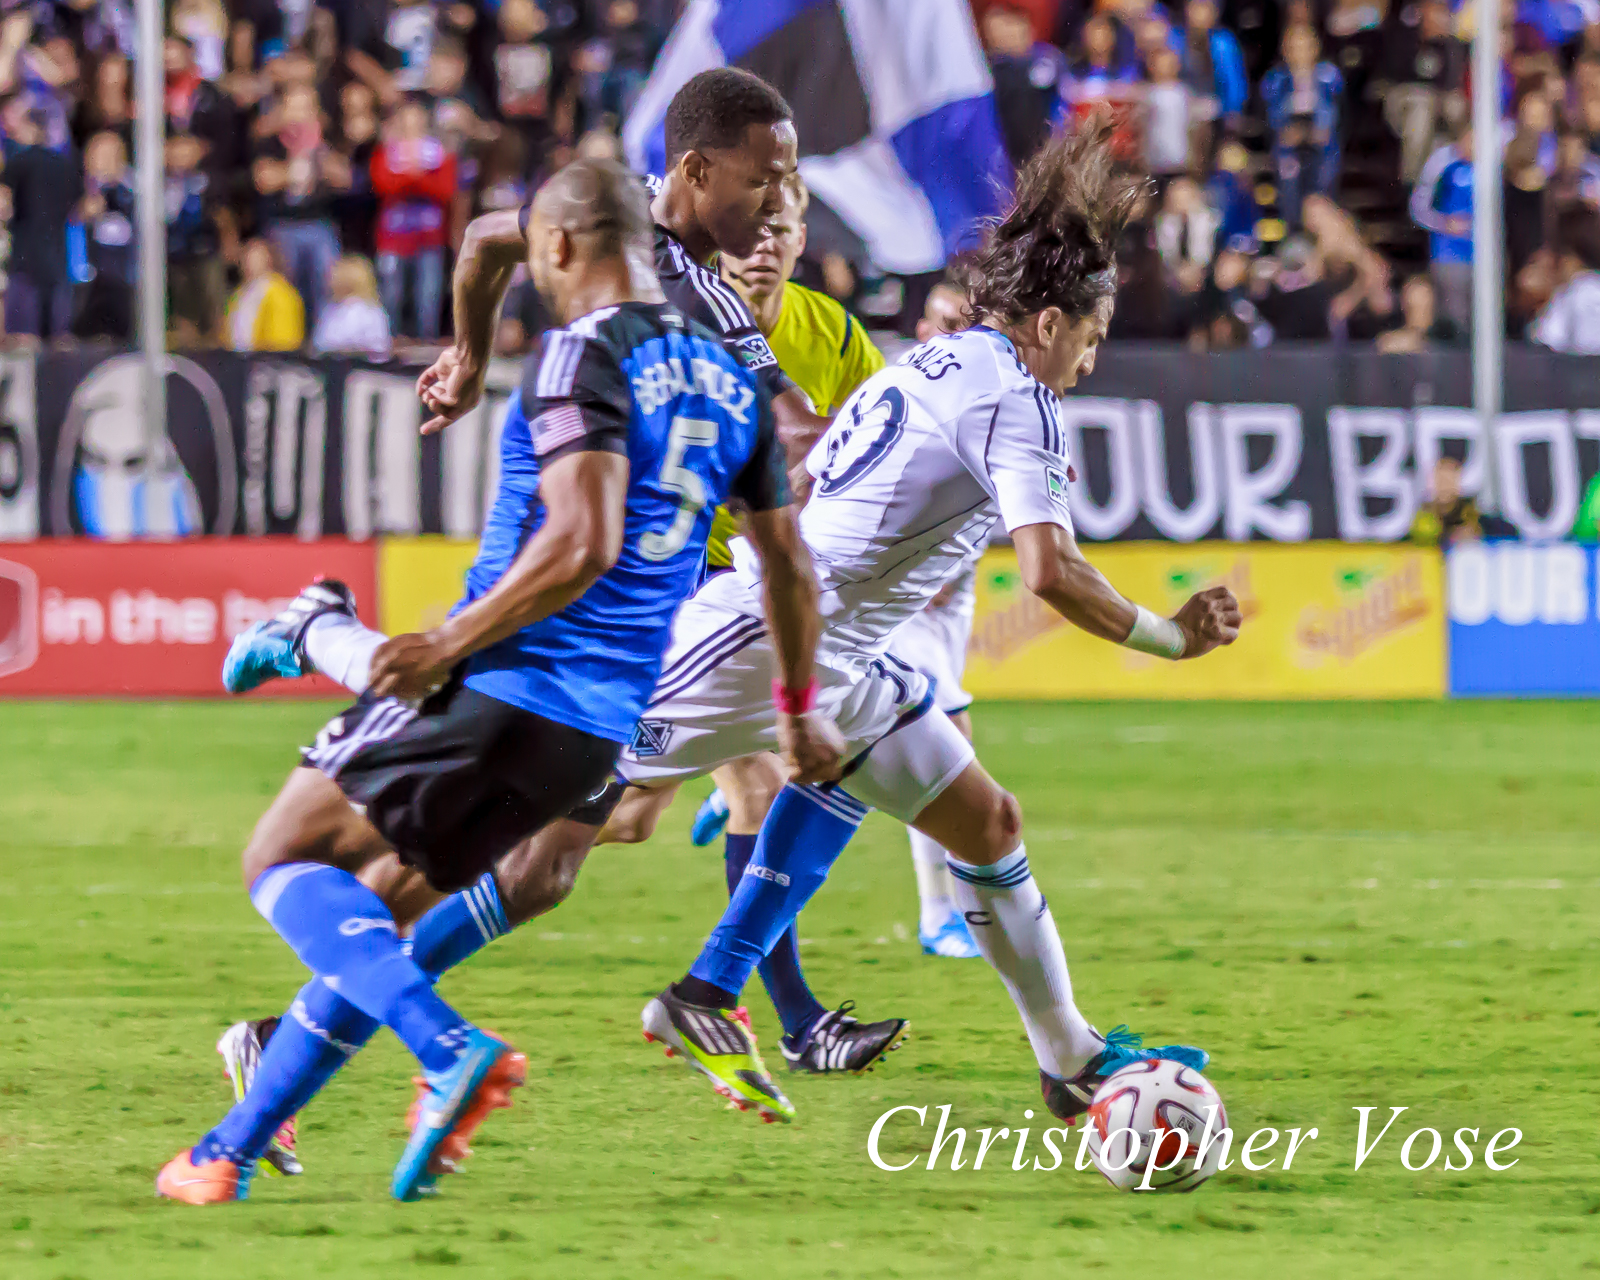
<point>837,1041</point>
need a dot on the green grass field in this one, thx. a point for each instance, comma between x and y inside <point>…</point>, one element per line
<point>1366,905</point>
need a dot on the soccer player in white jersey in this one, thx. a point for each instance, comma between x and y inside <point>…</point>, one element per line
<point>919,465</point>
<point>935,642</point>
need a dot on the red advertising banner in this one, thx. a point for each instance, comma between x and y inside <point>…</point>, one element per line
<point>155,618</point>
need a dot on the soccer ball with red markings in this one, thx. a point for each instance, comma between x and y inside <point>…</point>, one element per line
<point>1146,1124</point>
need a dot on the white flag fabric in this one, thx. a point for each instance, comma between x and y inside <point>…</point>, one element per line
<point>893,103</point>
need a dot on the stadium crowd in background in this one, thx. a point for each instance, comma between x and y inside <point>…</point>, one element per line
<point>1312,162</point>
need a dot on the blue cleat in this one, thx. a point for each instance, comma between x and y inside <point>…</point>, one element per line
<point>709,820</point>
<point>454,1103</point>
<point>952,939</point>
<point>275,649</point>
<point>1069,1099</point>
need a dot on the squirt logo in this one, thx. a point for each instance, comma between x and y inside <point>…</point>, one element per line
<point>113,479</point>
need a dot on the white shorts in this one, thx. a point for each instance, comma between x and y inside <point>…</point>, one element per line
<point>713,704</point>
<point>935,643</point>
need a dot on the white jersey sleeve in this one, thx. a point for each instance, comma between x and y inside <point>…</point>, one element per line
<point>1017,451</point>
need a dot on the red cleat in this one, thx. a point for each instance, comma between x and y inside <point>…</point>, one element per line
<point>214,1182</point>
<point>495,1092</point>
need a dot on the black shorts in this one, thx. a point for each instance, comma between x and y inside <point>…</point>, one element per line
<point>457,783</point>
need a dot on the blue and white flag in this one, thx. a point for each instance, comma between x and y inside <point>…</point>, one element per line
<point>893,103</point>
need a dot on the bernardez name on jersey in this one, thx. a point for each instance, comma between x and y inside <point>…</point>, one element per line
<point>640,380</point>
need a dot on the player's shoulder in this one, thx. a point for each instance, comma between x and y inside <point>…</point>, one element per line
<point>969,369</point>
<point>818,313</point>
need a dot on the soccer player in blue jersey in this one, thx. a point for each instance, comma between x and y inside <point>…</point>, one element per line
<point>476,734</point>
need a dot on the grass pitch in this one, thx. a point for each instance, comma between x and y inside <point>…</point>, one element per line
<point>1390,905</point>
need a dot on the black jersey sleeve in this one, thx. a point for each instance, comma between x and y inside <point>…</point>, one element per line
<point>763,483</point>
<point>577,397</point>
<point>704,296</point>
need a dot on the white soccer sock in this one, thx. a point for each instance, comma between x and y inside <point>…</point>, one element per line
<point>341,648</point>
<point>1012,926</point>
<point>933,881</point>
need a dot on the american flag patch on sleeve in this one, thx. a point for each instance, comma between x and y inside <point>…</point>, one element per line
<point>558,426</point>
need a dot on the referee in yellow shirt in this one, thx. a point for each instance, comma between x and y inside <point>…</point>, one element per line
<point>823,348</point>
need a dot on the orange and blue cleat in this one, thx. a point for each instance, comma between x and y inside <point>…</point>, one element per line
<point>450,1108</point>
<point>214,1182</point>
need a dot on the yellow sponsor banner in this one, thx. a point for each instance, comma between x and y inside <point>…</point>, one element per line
<point>1322,620</point>
<point>419,580</point>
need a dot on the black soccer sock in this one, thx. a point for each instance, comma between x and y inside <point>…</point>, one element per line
<point>703,993</point>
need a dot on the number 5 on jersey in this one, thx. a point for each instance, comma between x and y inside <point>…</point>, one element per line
<point>690,488</point>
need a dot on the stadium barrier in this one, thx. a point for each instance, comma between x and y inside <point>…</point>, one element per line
<point>1324,620</point>
<point>79,617</point>
<point>1291,444</point>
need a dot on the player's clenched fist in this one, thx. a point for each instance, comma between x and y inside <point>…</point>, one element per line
<point>1208,618</point>
<point>812,745</point>
<point>408,667</point>
<point>448,388</point>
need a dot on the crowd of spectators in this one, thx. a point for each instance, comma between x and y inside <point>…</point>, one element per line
<point>1312,160</point>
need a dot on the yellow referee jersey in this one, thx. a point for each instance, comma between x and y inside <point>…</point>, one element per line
<point>827,354</point>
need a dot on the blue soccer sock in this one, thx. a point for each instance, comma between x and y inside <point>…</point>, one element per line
<point>460,926</point>
<point>780,971</point>
<point>345,935</point>
<point>805,831</point>
<point>313,1040</point>
<point>322,1030</point>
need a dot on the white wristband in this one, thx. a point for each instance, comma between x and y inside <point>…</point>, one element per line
<point>1155,635</point>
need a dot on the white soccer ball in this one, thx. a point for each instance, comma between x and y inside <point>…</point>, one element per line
<point>1145,1126</point>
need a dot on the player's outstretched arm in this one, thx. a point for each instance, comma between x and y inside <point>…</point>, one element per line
<point>1053,568</point>
<point>492,249</point>
<point>581,537</point>
<point>809,740</point>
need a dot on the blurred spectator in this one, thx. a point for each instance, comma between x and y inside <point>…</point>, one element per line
<point>1302,96</point>
<point>523,65</point>
<point>196,106</point>
<point>1421,326</point>
<point>354,322</point>
<point>194,265</point>
<point>108,103</point>
<point>1186,233</point>
<point>615,64</point>
<point>1571,321</point>
<point>46,183</point>
<point>1167,108</point>
<point>1441,204</point>
<point>1427,70</point>
<point>297,178</point>
<point>265,313</point>
<point>1448,517</point>
<point>1025,74</point>
<point>355,206</point>
<point>108,213</point>
<point>1213,67</point>
<point>1231,191</point>
<point>1225,316</point>
<point>1298,300</point>
<point>415,180</point>
<point>410,32</point>
<point>204,24</point>
<point>1352,267</point>
<point>1099,77</point>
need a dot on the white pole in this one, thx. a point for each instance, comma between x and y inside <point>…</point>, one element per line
<point>1488,239</point>
<point>150,163</point>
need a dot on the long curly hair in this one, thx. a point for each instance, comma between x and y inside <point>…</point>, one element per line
<point>1057,246</point>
